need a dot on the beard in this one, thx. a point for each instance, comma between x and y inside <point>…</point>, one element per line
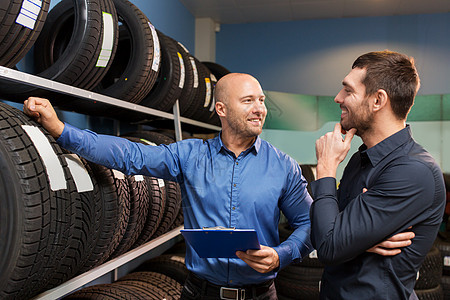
<point>361,120</point>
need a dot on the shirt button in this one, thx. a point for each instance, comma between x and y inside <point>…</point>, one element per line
<point>231,281</point>
<point>237,163</point>
<point>234,185</point>
<point>234,208</point>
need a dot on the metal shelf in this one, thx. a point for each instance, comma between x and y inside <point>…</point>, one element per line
<point>142,253</point>
<point>47,84</point>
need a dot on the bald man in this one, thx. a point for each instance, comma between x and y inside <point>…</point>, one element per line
<point>233,180</point>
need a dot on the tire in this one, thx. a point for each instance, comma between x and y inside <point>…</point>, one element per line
<point>110,292</point>
<point>430,271</point>
<point>113,216</point>
<point>170,82</point>
<point>37,214</point>
<point>137,61</point>
<point>445,283</point>
<point>18,31</point>
<point>218,70</point>
<point>72,59</point>
<point>443,244</point>
<point>139,203</point>
<point>170,265</point>
<point>430,294</point>
<point>170,287</point>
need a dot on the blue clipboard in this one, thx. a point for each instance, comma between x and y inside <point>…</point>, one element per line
<point>219,242</point>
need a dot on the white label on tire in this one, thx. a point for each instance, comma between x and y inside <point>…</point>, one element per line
<point>208,92</point>
<point>194,68</point>
<point>213,102</point>
<point>313,254</point>
<point>148,142</point>
<point>183,71</point>
<point>138,178</point>
<point>446,261</point>
<point>184,48</point>
<point>108,40</point>
<point>118,175</point>
<point>161,182</point>
<point>79,173</point>
<point>55,172</point>
<point>29,13</point>
<point>156,48</point>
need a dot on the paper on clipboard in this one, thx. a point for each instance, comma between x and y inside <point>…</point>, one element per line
<point>219,242</point>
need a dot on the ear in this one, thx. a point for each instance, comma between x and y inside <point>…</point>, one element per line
<point>220,109</point>
<point>381,100</point>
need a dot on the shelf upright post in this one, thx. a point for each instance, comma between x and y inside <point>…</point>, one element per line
<point>176,119</point>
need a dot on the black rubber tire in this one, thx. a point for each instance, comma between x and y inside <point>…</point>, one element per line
<point>170,287</point>
<point>170,265</point>
<point>84,237</point>
<point>218,70</point>
<point>445,283</point>
<point>156,208</point>
<point>443,244</point>
<point>17,39</point>
<point>430,271</point>
<point>179,220</point>
<point>430,294</point>
<point>146,289</point>
<point>110,292</point>
<point>113,217</point>
<point>208,114</point>
<point>309,175</point>
<point>299,282</point>
<point>139,207</point>
<point>171,208</point>
<point>137,61</point>
<point>70,59</point>
<point>169,84</point>
<point>37,221</point>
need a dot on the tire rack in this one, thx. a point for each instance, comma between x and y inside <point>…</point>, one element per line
<point>117,267</point>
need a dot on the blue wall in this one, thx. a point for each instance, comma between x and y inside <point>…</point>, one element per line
<point>313,56</point>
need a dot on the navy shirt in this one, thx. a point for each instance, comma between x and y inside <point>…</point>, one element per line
<point>218,189</point>
<point>405,187</point>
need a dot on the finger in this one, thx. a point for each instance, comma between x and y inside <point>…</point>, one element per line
<point>395,244</point>
<point>349,136</point>
<point>337,128</point>
<point>384,252</point>
<point>402,236</point>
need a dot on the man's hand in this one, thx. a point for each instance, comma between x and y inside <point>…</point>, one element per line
<point>390,247</point>
<point>264,260</point>
<point>42,111</point>
<point>331,150</point>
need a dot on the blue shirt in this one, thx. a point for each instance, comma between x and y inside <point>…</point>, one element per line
<point>405,187</point>
<point>218,189</point>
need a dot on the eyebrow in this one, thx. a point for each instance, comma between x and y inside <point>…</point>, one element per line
<point>346,84</point>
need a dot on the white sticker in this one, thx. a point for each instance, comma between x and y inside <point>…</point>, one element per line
<point>55,172</point>
<point>108,40</point>
<point>208,92</point>
<point>183,72</point>
<point>313,254</point>
<point>118,174</point>
<point>194,68</point>
<point>177,258</point>
<point>148,142</point>
<point>156,48</point>
<point>446,261</point>
<point>417,275</point>
<point>29,13</point>
<point>184,48</point>
<point>138,178</point>
<point>161,182</point>
<point>79,173</point>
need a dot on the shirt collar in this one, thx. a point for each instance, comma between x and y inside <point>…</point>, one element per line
<point>386,146</point>
<point>218,144</point>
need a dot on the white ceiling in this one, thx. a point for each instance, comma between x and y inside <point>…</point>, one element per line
<point>252,11</point>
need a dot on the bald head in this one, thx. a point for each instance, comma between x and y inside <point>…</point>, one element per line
<point>226,84</point>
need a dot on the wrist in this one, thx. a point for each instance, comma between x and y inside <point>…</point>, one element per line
<point>324,170</point>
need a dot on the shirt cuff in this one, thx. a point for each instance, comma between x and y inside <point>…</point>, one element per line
<point>70,137</point>
<point>323,187</point>
<point>284,251</point>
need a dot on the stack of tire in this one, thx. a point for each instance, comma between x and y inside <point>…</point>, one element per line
<point>443,244</point>
<point>62,215</point>
<point>113,50</point>
<point>161,277</point>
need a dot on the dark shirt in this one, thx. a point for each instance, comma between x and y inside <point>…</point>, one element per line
<point>405,187</point>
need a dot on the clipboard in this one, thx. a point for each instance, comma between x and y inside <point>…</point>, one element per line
<point>220,242</point>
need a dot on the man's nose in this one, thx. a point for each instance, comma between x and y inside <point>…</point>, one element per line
<point>338,98</point>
